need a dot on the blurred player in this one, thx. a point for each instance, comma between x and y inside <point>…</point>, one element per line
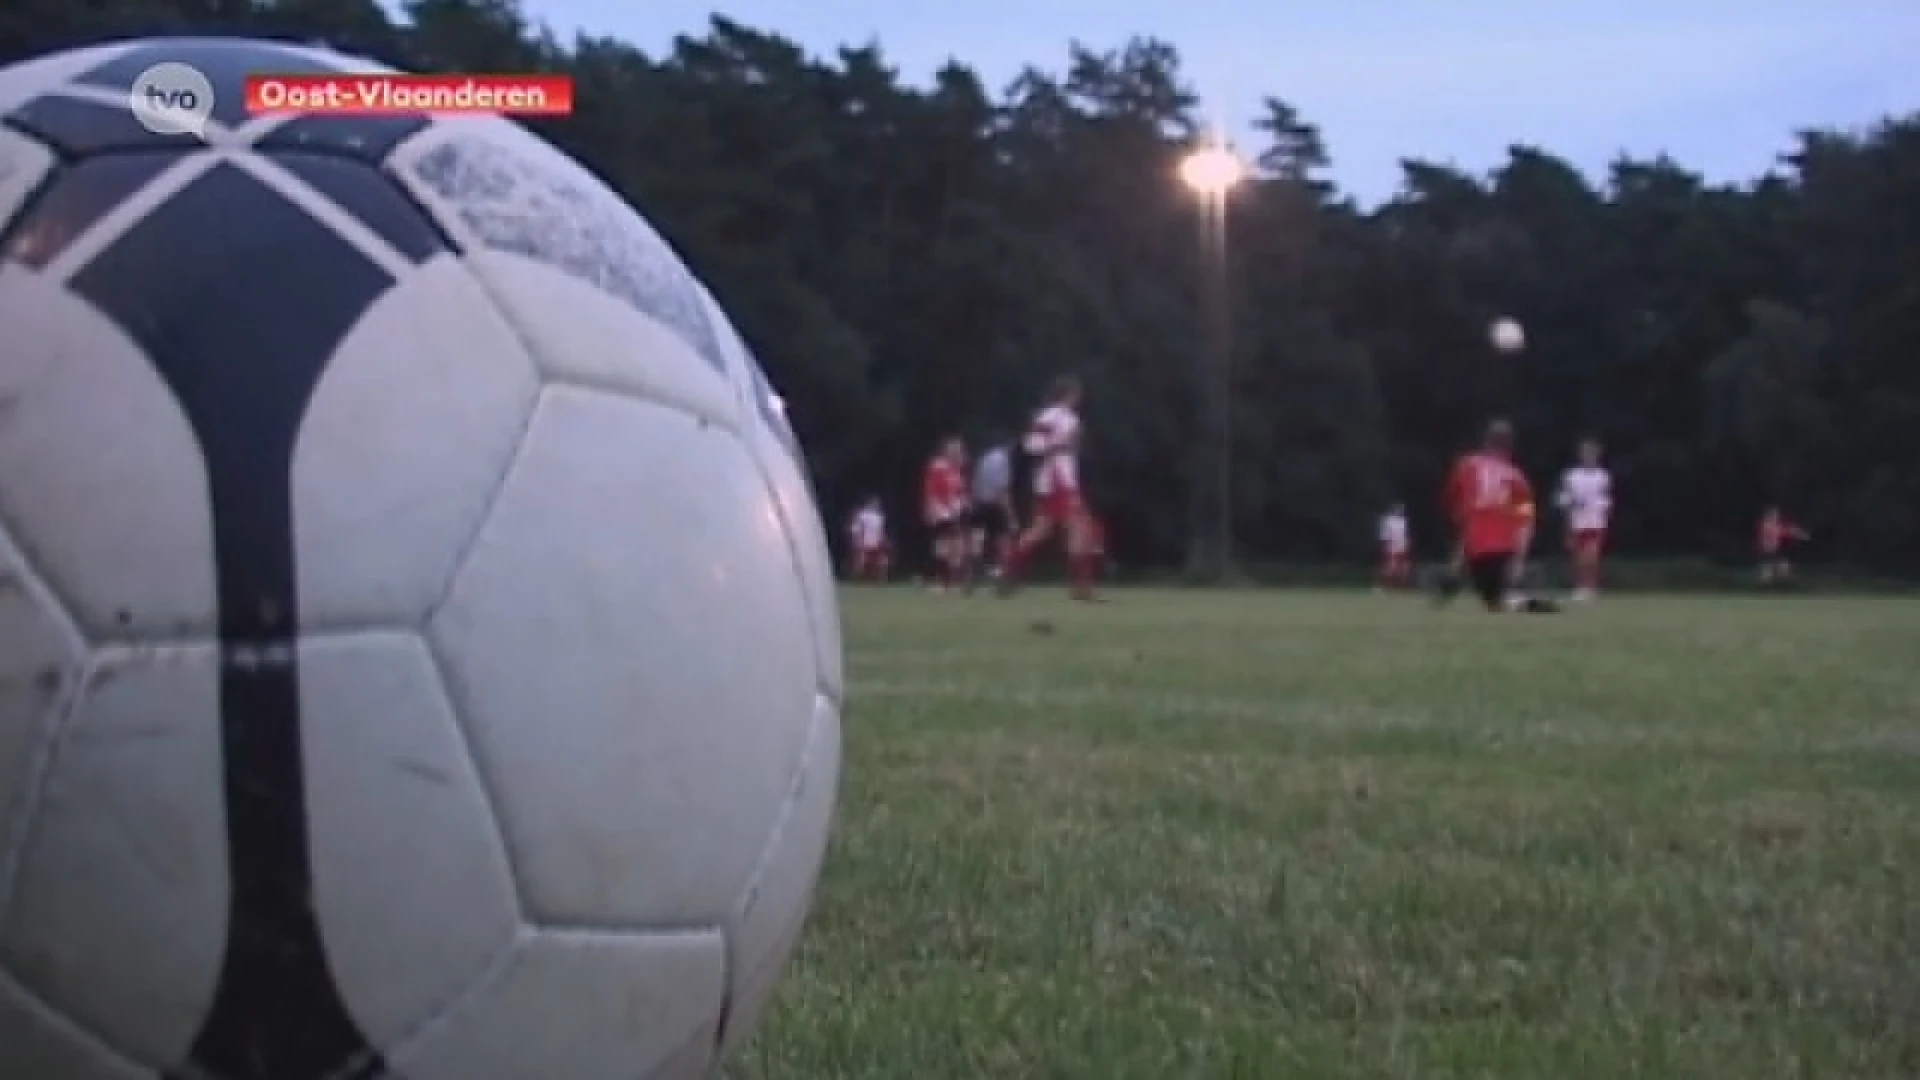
<point>1586,497</point>
<point>1096,546</point>
<point>992,517</point>
<point>867,538</point>
<point>1775,534</point>
<point>1396,550</point>
<point>943,501</point>
<point>1490,503</point>
<point>1053,440</point>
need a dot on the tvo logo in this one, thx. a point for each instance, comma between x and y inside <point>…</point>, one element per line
<point>172,99</point>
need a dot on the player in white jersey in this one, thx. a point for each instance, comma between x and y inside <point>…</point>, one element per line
<point>1053,442</point>
<point>1586,497</point>
<point>867,535</point>
<point>1396,549</point>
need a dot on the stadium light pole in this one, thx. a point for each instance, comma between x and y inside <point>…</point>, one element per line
<point>1211,172</point>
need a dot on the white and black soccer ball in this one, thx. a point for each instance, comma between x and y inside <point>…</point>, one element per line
<point>418,653</point>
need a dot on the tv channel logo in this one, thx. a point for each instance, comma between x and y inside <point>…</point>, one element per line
<point>172,99</point>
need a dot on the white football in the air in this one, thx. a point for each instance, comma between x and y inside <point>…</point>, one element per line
<point>418,650</point>
<point>1507,336</point>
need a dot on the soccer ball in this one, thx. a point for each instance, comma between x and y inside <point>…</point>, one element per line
<point>1507,336</point>
<point>418,655</point>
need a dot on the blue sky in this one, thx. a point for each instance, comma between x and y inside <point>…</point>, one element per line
<point>1719,85</point>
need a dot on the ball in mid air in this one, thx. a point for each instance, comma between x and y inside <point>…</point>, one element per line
<point>1507,335</point>
<point>418,652</point>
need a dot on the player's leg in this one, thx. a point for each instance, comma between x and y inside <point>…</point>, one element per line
<point>942,557</point>
<point>966,546</point>
<point>957,549</point>
<point>1489,575</point>
<point>1402,569</point>
<point>1586,564</point>
<point>1021,552</point>
<point>999,537</point>
<point>976,543</point>
<point>1082,561</point>
<point>1452,575</point>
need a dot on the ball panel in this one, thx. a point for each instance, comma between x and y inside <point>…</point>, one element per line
<point>807,539</point>
<point>583,335</point>
<point>85,193</point>
<point>41,1045</point>
<point>83,127</point>
<point>494,186</point>
<point>24,164</point>
<point>774,446</point>
<point>762,933</point>
<point>25,81</point>
<point>638,1005</point>
<point>403,446</point>
<point>366,138</point>
<point>629,651</point>
<point>131,808</point>
<point>118,526</point>
<point>370,198</point>
<point>411,881</point>
<point>39,664</point>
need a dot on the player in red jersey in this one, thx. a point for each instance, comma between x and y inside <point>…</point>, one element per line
<point>1775,533</point>
<point>1053,441</point>
<point>1491,505</point>
<point>943,501</point>
<point>867,538</point>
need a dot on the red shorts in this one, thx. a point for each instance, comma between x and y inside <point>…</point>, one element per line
<point>1060,505</point>
<point>1394,558</point>
<point>1588,542</point>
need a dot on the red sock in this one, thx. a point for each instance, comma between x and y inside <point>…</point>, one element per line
<point>1082,565</point>
<point>1017,556</point>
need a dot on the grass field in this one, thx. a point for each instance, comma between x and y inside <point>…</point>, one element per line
<point>1328,835</point>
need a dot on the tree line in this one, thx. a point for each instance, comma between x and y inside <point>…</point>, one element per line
<point>910,260</point>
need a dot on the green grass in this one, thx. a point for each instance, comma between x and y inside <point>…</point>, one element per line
<point>1329,835</point>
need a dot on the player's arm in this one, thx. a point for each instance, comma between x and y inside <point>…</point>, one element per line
<point>1523,510</point>
<point>1524,515</point>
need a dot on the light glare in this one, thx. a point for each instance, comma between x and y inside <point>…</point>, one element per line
<point>1211,171</point>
